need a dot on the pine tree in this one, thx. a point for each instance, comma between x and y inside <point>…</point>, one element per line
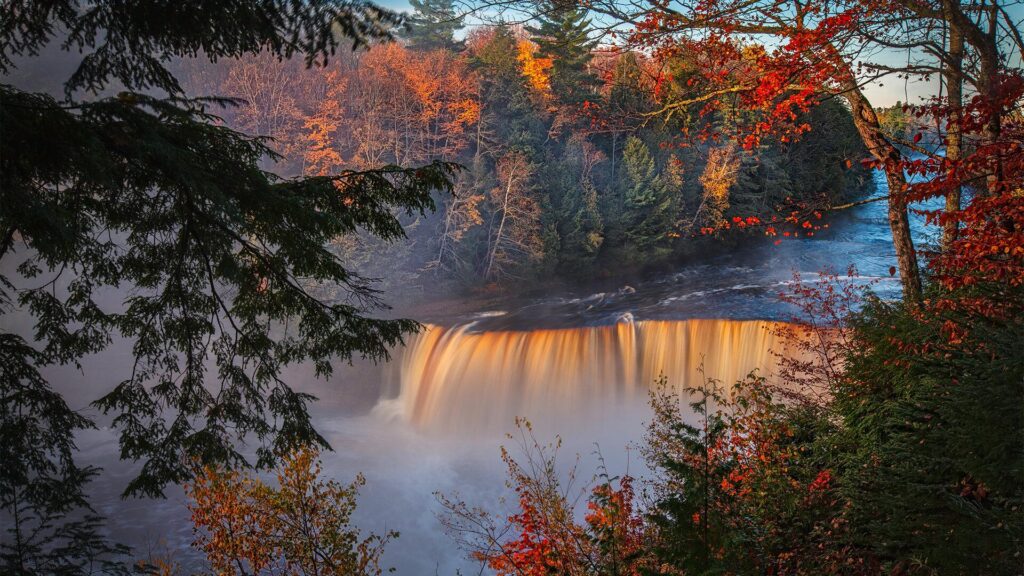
<point>581,229</point>
<point>648,201</point>
<point>433,24</point>
<point>505,98</point>
<point>563,35</point>
<point>627,101</point>
<point>627,96</point>
<point>586,231</point>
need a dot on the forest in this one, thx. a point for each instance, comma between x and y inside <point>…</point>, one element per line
<point>568,168</point>
<point>202,227</point>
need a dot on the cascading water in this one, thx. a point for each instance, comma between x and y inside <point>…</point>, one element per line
<point>455,379</point>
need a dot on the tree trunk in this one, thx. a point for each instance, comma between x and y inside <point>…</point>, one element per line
<point>899,223</point>
<point>988,54</point>
<point>447,229</point>
<point>501,225</point>
<point>870,131</point>
<point>953,73</point>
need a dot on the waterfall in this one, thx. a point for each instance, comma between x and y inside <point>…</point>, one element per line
<point>459,380</point>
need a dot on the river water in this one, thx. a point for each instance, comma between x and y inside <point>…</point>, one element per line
<point>577,363</point>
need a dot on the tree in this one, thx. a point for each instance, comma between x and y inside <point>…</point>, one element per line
<point>154,195</point>
<point>816,54</point>
<point>629,98</point>
<point>321,156</point>
<point>809,60</point>
<point>411,106</point>
<point>719,176</point>
<point>301,527</point>
<point>648,201</point>
<point>514,228</point>
<point>433,24</point>
<point>575,193</point>
<point>41,485</point>
<point>266,103</point>
<point>562,36</point>
<point>506,104</point>
<point>925,456</point>
<point>461,215</point>
<point>543,536</point>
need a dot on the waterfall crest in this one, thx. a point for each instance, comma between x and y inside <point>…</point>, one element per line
<point>457,380</point>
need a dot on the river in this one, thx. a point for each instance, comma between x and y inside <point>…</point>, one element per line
<point>577,363</point>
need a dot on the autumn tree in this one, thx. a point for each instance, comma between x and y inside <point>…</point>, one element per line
<point>718,178</point>
<point>741,487</point>
<point>815,56</point>
<point>302,526</point>
<point>514,227</point>
<point>406,105</point>
<point>320,155</point>
<point>389,105</point>
<point>810,58</point>
<point>544,536</point>
<point>409,106</point>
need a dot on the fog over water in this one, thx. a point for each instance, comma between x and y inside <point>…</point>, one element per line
<point>576,363</point>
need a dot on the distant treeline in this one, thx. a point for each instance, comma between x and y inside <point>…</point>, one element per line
<point>572,168</point>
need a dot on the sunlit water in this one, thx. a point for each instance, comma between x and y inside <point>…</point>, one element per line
<point>577,364</point>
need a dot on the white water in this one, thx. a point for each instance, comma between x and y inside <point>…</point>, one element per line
<point>436,420</point>
<point>460,381</point>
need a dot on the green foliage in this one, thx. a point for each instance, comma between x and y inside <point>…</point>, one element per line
<point>910,465</point>
<point>627,96</point>
<point>931,459</point>
<point>131,44</point>
<point>579,224</point>
<point>40,483</point>
<point>895,121</point>
<point>508,114</point>
<point>154,196</point>
<point>585,234</point>
<point>563,34</point>
<point>605,200</point>
<point>738,490</point>
<point>824,164</point>
<point>433,24</point>
<point>649,202</point>
<point>684,512</point>
<point>194,221</point>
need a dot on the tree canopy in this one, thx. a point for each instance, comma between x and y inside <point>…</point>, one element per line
<point>148,193</point>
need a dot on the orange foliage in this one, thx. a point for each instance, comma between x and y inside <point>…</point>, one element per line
<point>411,105</point>
<point>535,70</point>
<point>321,156</point>
<point>300,527</point>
